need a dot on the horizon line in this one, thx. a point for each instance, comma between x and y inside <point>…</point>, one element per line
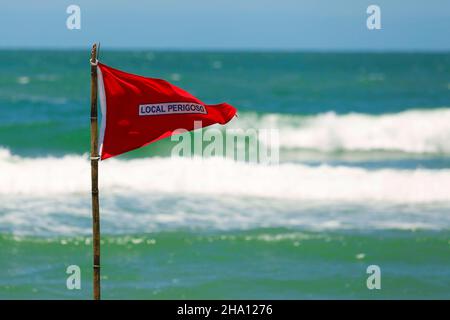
<point>236,49</point>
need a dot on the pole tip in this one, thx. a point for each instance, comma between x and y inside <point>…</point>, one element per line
<point>94,53</point>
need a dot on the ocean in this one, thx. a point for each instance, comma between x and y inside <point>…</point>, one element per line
<point>363,179</point>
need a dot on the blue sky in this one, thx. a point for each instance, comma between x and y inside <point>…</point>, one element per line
<point>228,24</point>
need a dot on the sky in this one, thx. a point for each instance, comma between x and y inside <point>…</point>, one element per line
<point>406,25</point>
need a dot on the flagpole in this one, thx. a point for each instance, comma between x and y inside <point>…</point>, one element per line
<point>94,176</point>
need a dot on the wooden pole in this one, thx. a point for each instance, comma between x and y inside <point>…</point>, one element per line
<point>94,175</point>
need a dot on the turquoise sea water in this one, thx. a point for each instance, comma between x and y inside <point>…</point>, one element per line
<point>363,179</point>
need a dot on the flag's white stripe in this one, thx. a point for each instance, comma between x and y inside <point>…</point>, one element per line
<point>101,90</point>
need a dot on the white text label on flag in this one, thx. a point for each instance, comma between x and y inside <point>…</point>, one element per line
<point>156,109</point>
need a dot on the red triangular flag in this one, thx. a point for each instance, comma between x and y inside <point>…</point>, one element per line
<point>137,111</point>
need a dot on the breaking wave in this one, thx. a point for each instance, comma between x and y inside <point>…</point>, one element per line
<point>411,131</point>
<point>50,176</point>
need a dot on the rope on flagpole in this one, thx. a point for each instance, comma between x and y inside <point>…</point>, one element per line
<point>94,176</point>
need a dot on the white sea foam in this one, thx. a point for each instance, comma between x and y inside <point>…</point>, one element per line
<point>50,196</point>
<point>70,215</point>
<point>412,131</point>
<point>50,176</point>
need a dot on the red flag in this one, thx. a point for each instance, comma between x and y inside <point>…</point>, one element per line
<point>137,111</point>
